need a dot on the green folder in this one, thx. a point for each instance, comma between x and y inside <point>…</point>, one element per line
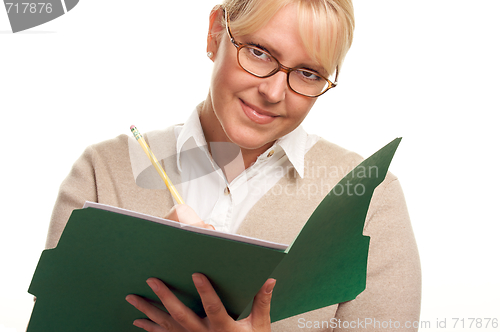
<point>103,256</point>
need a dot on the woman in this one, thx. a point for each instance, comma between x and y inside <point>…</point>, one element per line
<point>272,60</point>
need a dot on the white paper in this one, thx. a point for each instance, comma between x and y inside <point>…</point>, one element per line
<point>234,237</point>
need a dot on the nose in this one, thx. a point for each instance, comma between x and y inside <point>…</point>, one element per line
<point>274,88</point>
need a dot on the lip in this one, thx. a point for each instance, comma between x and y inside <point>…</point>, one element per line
<point>256,114</point>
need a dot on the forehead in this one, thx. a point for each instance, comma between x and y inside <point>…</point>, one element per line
<point>281,35</point>
<point>315,25</point>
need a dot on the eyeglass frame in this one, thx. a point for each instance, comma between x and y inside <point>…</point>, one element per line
<point>280,67</point>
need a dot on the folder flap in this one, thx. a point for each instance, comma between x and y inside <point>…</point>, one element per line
<point>326,264</point>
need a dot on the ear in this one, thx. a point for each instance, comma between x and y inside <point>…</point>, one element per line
<point>214,30</point>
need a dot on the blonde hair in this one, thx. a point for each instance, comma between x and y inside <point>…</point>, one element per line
<point>326,26</point>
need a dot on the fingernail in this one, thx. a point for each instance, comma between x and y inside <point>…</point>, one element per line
<point>131,300</point>
<point>270,287</point>
<point>197,280</point>
<point>152,284</point>
<point>138,323</point>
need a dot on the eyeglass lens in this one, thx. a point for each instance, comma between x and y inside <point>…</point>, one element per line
<point>260,63</point>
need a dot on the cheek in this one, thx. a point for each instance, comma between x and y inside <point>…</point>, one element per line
<point>223,84</point>
<point>226,69</point>
<point>301,107</point>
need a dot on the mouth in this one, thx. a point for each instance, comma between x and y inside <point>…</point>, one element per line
<point>256,114</point>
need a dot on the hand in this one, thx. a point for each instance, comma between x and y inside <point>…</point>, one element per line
<point>181,318</point>
<point>185,215</point>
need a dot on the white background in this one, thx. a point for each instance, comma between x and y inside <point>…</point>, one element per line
<point>425,70</point>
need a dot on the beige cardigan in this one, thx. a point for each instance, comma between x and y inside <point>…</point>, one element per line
<point>392,297</point>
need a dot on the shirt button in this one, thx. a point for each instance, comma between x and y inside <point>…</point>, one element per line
<point>227,191</point>
<point>270,154</point>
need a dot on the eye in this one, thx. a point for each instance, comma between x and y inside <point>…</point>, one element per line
<point>260,54</point>
<point>309,75</point>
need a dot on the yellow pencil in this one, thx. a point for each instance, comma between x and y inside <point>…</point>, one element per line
<point>156,164</point>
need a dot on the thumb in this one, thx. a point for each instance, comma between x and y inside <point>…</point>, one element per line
<point>262,306</point>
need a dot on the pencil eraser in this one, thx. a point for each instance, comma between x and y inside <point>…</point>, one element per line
<point>132,127</point>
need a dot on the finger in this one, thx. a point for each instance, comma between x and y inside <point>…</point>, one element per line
<point>204,225</point>
<point>172,214</point>
<point>212,304</point>
<point>150,326</point>
<point>184,214</point>
<point>187,215</point>
<point>178,311</point>
<point>158,316</point>
<point>262,305</point>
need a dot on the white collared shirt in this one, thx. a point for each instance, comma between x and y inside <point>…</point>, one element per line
<point>205,187</point>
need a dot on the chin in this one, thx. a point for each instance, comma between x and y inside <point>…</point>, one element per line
<point>249,141</point>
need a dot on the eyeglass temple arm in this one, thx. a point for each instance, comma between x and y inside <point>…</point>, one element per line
<point>335,82</point>
<point>229,29</point>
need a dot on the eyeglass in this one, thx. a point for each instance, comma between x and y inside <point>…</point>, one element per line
<point>260,63</point>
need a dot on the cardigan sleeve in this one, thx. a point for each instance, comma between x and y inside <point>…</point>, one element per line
<point>78,187</point>
<point>391,300</point>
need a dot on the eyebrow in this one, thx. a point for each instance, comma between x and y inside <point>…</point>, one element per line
<point>260,43</point>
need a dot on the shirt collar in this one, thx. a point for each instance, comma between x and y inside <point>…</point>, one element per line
<point>191,129</point>
<point>293,144</point>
